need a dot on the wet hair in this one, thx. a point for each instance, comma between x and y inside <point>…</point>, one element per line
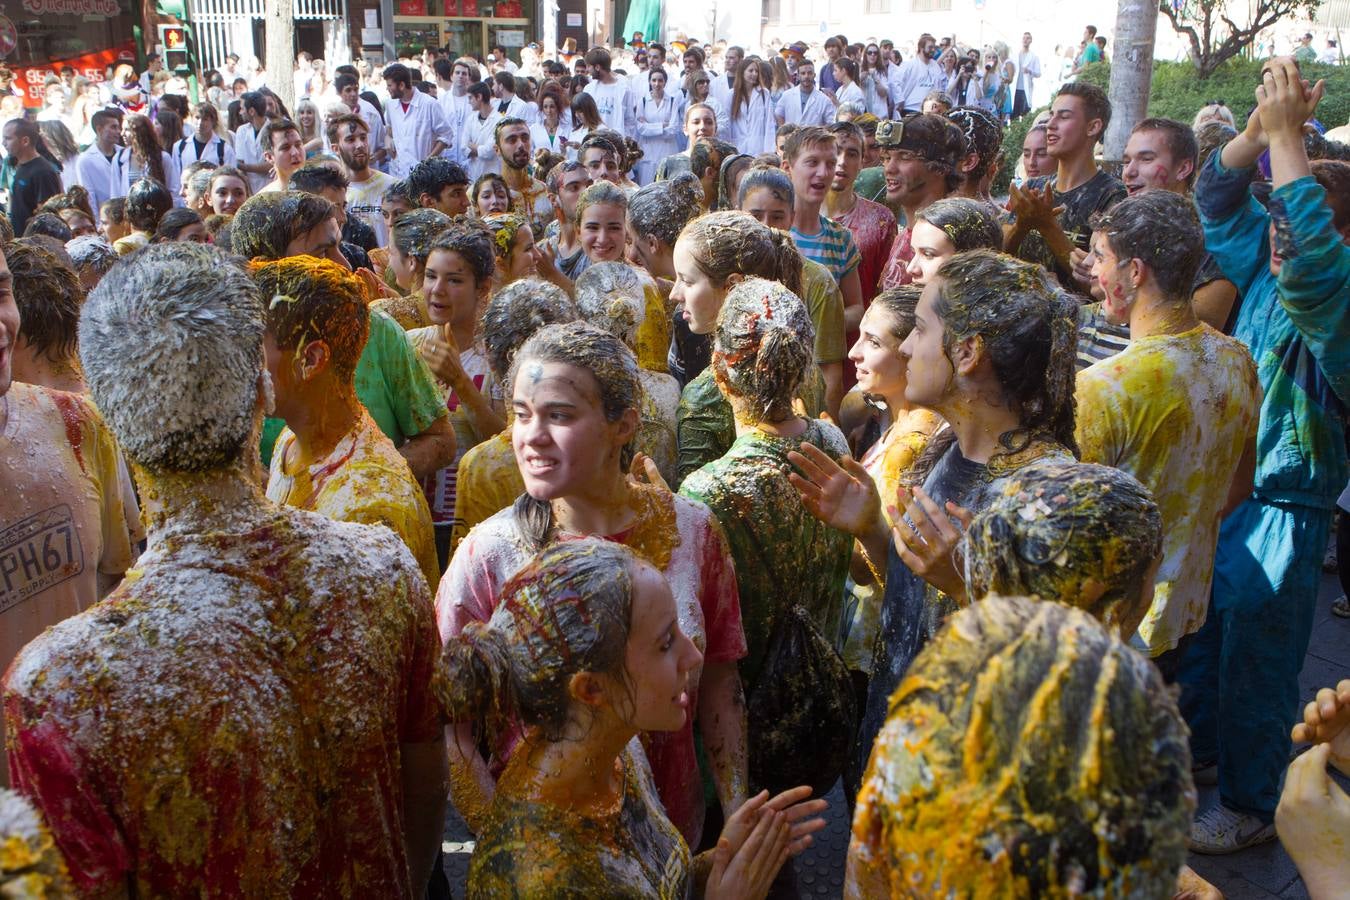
<point>1057,745</point>
<point>611,142</point>
<point>1029,329</point>
<point>807,136</point>
<point>662,209</point>
<point>786,130</point>
<point>734,243</point>
<point>941,97</point>
<point>506,122</point>
<point>706,152</point>
<point>601,192</point>
<point>333,126</point>
<point>398,193</point>
<point>139,136</point>
<point>899,303</point>
<point>615,370</point>
<point>1162,229</point>
<point>314,177</point>
<point>558,172</point>
<point>1078,533</point>
<point>485,180</point>
<point>76,198</point>
<point>266,223</point>
<point>984,138</point>
<point>91,253</point>
<point>1334,177</point>
<point>49,224</point>
<point>762,347</point>
<point>197,179</point>
<point>48,295</point>
<point>968,224</point>
<point>173,223</point>
<point>515,313</point>
<point>471,239</point>
<point>843,130</point>
<point>315,300</point>
<point>275,127</point>
<point>147,202</point>
<point>415,231</point>
<point>567,610</point>
<point>611,296</point>
<point>774,180</point>
<point>732,166</point>
<point>114,210</point>
<point>1095,102</point>
<point>1180,140</point>
<point>171,346</point>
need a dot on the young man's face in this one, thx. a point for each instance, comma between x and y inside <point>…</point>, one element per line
<point>513,142</point>
<point>806,76</point>
<point>601,165</point>
<point>454,199</point>
<point>287,153</point>
<point>394,88</point>
<point>734,57</point>
<point>848,162</point>
<point>459,76</point>
<point>1069,129</point>
<point>569,191</point>
<point>1115,277</point>
<point>832,51</point>
<point>14,144</point>
<point>1026,40</point>
<point>351,97</point>
<point>321,241</point>
<point>1148,163</point>
<point>354,147</point>
<point>813,170</point>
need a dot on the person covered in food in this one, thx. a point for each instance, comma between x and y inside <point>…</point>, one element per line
<point>586,648</point>
<point>576,402</point>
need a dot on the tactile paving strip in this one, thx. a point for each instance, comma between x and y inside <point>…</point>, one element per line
<point>820,869</point>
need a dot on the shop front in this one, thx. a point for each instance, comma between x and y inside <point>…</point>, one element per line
<point>39,37</point>
<point>465,27</point>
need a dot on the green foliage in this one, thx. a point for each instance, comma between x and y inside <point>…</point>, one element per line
<point>1177,93</point>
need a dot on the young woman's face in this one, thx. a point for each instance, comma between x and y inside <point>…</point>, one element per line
<point>493,198</point>
<point>768,208</point>
<point>80,224</point>
<point>699,298</point>
<point>657,81</point>
<point>449,288</point>
<point>524,257</point>
<point>876,355</point>
<point>306,118</point>
<point>227,195</point>
<point>602,232</point>
<point>701,88</point>
<point>549,107</point>
<point>658,661</point>
<point>752,75</point>
<point>391,209</point>
<point>563,443</point>
<point>404,268</point>
<point>928,371</point>
<point>700,123</point>
<point>932,248</point>
<point>194,234</point>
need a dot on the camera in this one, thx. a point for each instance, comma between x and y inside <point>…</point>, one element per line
<point>968,66</point>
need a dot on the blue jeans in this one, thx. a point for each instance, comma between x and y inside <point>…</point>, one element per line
<point>1239,677</point>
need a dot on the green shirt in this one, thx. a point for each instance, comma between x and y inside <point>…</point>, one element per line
<point>705,427</point>
<point>392,382</point>
<point>825,304</point>
<point>784,556</point>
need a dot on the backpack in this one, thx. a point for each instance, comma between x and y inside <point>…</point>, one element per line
<point>182,145</point>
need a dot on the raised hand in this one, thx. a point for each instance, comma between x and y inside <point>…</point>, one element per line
<point>1284,99</point>
<point>840,494</point>
<point>926,545</point>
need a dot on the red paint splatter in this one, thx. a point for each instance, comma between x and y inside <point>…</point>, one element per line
<point>73,415</point>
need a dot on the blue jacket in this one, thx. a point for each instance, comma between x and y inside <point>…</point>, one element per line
<point>1297,326</point>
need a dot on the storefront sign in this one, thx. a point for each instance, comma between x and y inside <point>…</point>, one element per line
<point>511,37</point>
<point>105,8</point>
<point>89,65</point>
<point>412,7</point>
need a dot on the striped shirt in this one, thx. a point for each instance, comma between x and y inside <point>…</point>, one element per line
<point>832,246</point>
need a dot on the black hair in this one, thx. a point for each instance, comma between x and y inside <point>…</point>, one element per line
<point>173,223</point>
<point>1160,228</point>
<point>397,73</point>
<point>1095,102</point>
<point>314,177</point>
<point>432,176</point>
<point>147,202</point>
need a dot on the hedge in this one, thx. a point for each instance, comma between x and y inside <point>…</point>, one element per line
<point>1176,93</point>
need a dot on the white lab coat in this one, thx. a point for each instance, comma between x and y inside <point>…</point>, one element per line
<point>104,179</point>
<point>796,108</point>
<point>414,131</point>
<point>482,133</point>
<point>615,104</point>
<point>658,134</point>
<point>217,151</point>
<point>248,150</point>
<point>753,128</point>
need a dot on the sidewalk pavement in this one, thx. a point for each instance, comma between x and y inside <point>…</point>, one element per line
<point>1259,873</point>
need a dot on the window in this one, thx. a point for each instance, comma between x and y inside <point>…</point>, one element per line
<point>773,11</point>
<point>877,6</point>
<point>928,5</point>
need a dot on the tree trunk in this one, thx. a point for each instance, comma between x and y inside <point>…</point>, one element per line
<point>280,36</point>
<point>1131,72</point>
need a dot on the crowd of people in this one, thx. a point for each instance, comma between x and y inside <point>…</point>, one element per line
<point>628,458</point>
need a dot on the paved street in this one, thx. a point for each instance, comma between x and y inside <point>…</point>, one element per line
<point>1257,874</point>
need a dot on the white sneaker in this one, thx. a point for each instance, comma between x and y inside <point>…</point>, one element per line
<point>1219,830</point>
